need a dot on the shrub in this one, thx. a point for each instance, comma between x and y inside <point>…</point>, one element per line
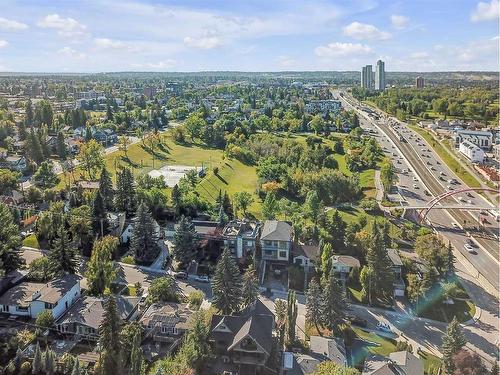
<point>195,299</point>
<point>45,320</point>
<point>129,259</point>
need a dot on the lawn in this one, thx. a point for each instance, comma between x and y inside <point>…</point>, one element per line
<point>368,343</point>
<point>31,241</point>
<point>463,309</point>
<point>450,161</point>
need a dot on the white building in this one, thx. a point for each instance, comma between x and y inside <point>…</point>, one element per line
<point>367,77</point>
<point>481,139</point>
<point>380,76</point>
<point>30,299</point>
<point>474,153</point>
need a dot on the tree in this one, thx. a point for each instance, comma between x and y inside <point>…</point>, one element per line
<point>193,125</point>
<point>109,340</point>
<point>468,363</point>
<point>430,248</point>
<point>242,200</point>
<point>100,221</point>
<point>449,263</point>
<point>123,143</point>
<point>62,256</point>
<point>91,158</point>
<point>332,368</point>
<point>185,242</point>
<point>44,320</point>
<point>388,175</point>
<point>314,305</point>
<point>453,341</point>
<point>80,224</point>
<point>109,113</point>
<point>62,150</point>
<point>106,188</point>
<point>326,257</point>
<point>270,207</point>
<point>335,228</point>
<point>333,302</point>
<point>163,289</point>
<point>144,238</point>
<point>45,177</point>
<point>37,360</point>
<point>10,242</point>
<point>8,181</point>
<point>49,361</point>
<point>227,285</point>
<point>291,316</point>
<point>39,270</point>
<point>314,206</point>
<point>317,124</point>
<point>100,269</point>
<point>136,358</point>
<point>125,196</point>
<point>250,291</point>
<point>176,198</point>
<point>280,308</point>
<point>35,147</point>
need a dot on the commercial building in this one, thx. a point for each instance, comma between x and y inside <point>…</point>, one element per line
<point>367,77</point>
<point>419,82</point>
<point>474,153</point>
<point>380,76</point>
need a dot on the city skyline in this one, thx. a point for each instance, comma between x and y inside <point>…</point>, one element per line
<point>99,35</point>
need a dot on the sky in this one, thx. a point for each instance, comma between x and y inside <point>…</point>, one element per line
<point>248,35</point>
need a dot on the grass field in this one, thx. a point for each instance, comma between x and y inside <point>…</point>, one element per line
<point>450,161</point>
<point>31,241</point>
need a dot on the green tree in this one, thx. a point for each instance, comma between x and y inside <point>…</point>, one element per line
<point>333,303</point>
<point>100,269</point>
<point>430,248</point>
<point>35,147</point>
<point>44,320</point>
<point>144,238</point>
<point>62,150</point>
<point>125,196</point>
<point>106,188</point>
<point>314,305</point>
<point>37,360</point>
<point>453,341</point>
<point>163,289</point>
<point>62,256</point>
<point>185,242</point>
<point>39,270</point>
<point>49,365</point>
<point>280,309</point>
<point>194,125</point>
<point>242,200</point>
<point>8,181</point>
<point>449,262</point>
<point>80,224</point>
<point>109,339</point>
<point>291,316</point>
<point>136,357</point>
<point>270,207</point>
<point>314,207</point>
<point>45,177</point>
<point>388,174</point>
<point>250,291</point>
<point>10,242</point>
<point>91,158</point>
<point>100,222</point>
<point>317,124</point>
<point>176,198</point>
<point>332,368</point>
<point>326,260</point>
<point>227,285</point>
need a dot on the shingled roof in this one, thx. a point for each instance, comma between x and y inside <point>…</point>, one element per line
<point>275,230</point>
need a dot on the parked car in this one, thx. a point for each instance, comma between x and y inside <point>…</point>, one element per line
<point>202,279</point>
<point>384,327</point>
<point>469,248</point>
<point>181,275</point>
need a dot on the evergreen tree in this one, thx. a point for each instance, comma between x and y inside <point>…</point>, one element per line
<point>100,221</point>
<point>228,207</point>
<point>62,256</point>
<point>136,356</point>
<point>176,198</point>
<point>144,239</point>
<point>314,305</point>
<point>326,256</point>
<point>10,242</point>
<point>333,302</point>
<point>29,113</point>
<point>49,362</point>
<point>61,148</point>
<point>453,341</point>
<point>270,206</point>
<point>449,264</point>
<point>76,368</point>
<point>250,291</point>
<point>227,285</point>
<point>280,308</point>
<point>185,242</point>
<point>336,228</point>
<point>106,188</point>
<point>36,366</point>
<point>291,316</point>
<point>109,340</point>
<point>35,148</point>
<point>197,341</point>
<point>109,113</point>
<point>100,269</point>
<point>125,196</point>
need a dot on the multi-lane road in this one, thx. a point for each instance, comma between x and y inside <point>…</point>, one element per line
<point>423,176</point>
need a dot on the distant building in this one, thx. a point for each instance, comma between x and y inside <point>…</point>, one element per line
<point>474,153</point>
<point>149,92</point>
<point>419,82</point>
<point>481,139</point>
<point>323,106</point>
<point>89,95</point>
<point>166,322</point>
<point>367,77</point>
<point>397,267</point>
<point>380,76</point>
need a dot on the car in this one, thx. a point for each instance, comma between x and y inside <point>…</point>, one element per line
<point>461,199</point>
<point>469,248</point>
<point>415,186</point>
<point>384,327</point>
<point>470,195</point>
<point>202,279</point>
<point>432,168</point>
<point>442,173</point>
<point>181,275</point>
<point>415,179</point>
<point>455,225</point>
<point>469,201</point>
<point>449,187</point>
<point>427,193</point>
<point>471,243</point>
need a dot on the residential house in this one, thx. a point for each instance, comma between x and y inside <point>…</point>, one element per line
<point>276,241</point>
<point>398,363</point>
<point>397,265</point>
<point>244,343</point>
<point>116,222</point>
<point>305,255</point>
<point>343,264</point>
<point>240,236</point>
<point>166,322</point>
<point>14,162</point>
<point>30,299</point>
<point>482,139</point>
<point>126,234</point>
<point>86,315</point>
<point>106,137</point>
<point>472,152</point>
<point>323,106</point>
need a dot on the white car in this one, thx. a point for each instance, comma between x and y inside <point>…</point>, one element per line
<point>455,225</point>
<point>202,279</point>
<point>469,248</point>
<point>384,327</point>
<point>415,179</point>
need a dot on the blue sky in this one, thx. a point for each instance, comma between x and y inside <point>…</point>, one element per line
<point>248,35</point>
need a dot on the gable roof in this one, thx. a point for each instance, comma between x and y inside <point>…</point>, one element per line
<point>394,257</point>
<point>346,260</point>
<point>308,251</point>
<point>408,362</point>
<point>275,230</point>
<point>169,314</point>
<point>331,348</point>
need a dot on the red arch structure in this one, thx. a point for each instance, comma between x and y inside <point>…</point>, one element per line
<point>447,194</point>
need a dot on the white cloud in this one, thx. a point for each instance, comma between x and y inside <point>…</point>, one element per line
<point>486,11</point>
<point>399,22</point>
<point>160,65</point>
<point>6,24</point>
<point>419,55</point>
<point>362,31</point>
<point>106,43</point>
<point>337,49</point>
<point>68,27</point>
<point>204,42</point>
<point>286,61</point>
<point>3,43</point>
<point>70,52</point>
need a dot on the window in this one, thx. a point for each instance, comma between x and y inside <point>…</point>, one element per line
<point>5,308</point>
<point>49,306</point>
<point>164,329</point>
<point>21,308</point>
<point>298,261</point>
<point>283,254</point>
<point>175,331</point>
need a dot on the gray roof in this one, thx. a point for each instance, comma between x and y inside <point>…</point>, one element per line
<point>308,251</point>
<point>408,362</point>
<point>275,230</point>
<point>394,257</point>
<point>331,348</point>
<point>168,314</point>
<point>303,364</point>
<point>398,363</point>
<point>346,260</point>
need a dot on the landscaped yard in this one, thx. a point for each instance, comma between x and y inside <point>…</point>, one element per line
<point>31,241</point>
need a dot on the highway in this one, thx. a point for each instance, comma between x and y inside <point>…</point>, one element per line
<point>417,160</point>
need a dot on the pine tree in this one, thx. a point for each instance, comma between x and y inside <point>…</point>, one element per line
<point>250,291</point>
<point>291,316</point>
<point>136,356</point>
<point>100,221</point>
<point>10,242</point>
<point>226,285</point>
<point>185,242</point>
<point>449,264</point>
<point>228,207</point>
<point>62,256</point>
<point>100,269</point>
<point>314,305</point>
<point>280,308</point>
<point>125,195</point>
<point>61,148</point>
<point>197,341</point>
<point>29,113</point>
<point>333,302</point>
<point>176,198</point>
<point>35,148</point>
<point>106,188</point>
<point>270,206</point>
<point>453,341</point>
<point>144,239</point>
<point>36,366</point>
<point>326,255</point>
<point>110,339</point>
<point>76,368</point>
<point>49,362</point>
